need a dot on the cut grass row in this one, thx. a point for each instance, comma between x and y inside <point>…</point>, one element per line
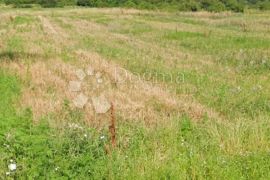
<point>237,147</point>
<point>213,87</point>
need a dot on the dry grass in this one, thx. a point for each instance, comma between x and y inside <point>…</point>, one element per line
<point>213,122</point>
<point>134,98</point>
<point>47,88</point>
<point>132,95</point>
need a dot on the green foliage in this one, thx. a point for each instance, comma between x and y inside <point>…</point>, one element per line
<point>146,5</point>
<point>182,5</point>
<point>130,4</point>
<point>234,5</point>
<point>212,5</point>
<point>264,5</point>
<point>84,3</point>
<point>49,3</point>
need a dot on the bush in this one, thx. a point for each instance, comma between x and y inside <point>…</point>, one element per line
<point>20,3</point>
<point>101,3</point>
<point>49,3</point>
<point>146,5</point>
<point>84,3</point>
<point>217,7</point>
<point>130,4</point>
<point>23,5</point>
<point>213,5</point>
<point>192,6</point>
<point>68,2</point>
<point>264,5</point>
<point>234,5</point>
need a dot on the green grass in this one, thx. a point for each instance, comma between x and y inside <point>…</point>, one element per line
<point>18,20</point>
<point>44,152</point>
<point>172,151</point>
<point>220,66</point>
<point>216,44</point>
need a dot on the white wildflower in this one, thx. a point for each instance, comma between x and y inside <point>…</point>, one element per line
<point>74,126</point>
<point>99,81</point>
<point>12,167</point>
<point>6,145</point>
<point>239,88</point>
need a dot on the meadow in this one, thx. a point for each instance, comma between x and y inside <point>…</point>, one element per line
<point>191,93</point>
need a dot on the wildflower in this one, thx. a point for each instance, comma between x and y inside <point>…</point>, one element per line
<point>221,146</point>
<point>74,126</point>
<point>99,81</point>
<point>236,90</point>
<point>257,88</point>
<point>102,137</point>
<point>12,167</point>
<point>239,88</point>
<point>85,135</point>
<point>7,173</point>
<point>6,145</point>
<point>57,168</point>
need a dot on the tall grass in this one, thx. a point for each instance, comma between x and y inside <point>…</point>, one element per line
<point>222,67</point>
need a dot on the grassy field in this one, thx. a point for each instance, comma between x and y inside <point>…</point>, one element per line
<point>191,94</point>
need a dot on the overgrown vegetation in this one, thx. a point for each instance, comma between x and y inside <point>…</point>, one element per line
<point>215,64</point>
<point>181,5</point>
<point>76,151</point>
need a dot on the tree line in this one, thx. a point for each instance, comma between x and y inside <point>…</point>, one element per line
<point>180,5</point>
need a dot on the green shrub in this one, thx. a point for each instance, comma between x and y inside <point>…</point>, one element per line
<point>192,6</point>
<point>48,3</point>
<point>68,2</point>
<point>217,7</point>
<point>18,2</point>
<point>102,3</point>
<point>130,4</point>
<point>23,5</point>
<point>213,5</point>
<point>146,5</point>
<point>234,5</point>
<point>264,5</point>
<point>84,3</point>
